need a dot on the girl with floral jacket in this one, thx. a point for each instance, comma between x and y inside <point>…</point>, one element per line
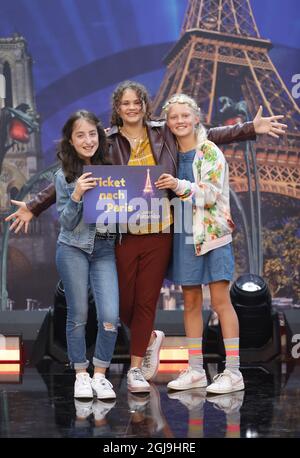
<point>209,193</point>
<point>202,249</point>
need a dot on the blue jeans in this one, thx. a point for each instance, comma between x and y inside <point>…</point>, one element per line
<point>78,270</point>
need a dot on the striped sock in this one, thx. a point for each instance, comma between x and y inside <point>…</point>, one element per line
<point>232,354</point>
<point>195,353</point>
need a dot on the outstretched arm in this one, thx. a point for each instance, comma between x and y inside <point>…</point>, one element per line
<point>20,218</point>
<point>248,130</point>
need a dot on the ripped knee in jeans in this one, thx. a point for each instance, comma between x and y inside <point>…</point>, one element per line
<point>109,327</point>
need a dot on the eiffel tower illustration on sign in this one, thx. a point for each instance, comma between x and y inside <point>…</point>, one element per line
<point>221,61</point>
<point>148,189</point>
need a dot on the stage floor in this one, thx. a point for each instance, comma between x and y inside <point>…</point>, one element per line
<point>41,405</point>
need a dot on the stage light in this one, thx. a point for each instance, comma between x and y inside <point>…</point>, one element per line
<point>174,350</point>
<point>10,348</point>
<point>251,433</point>
<point>57,342</point>
<point>172,367</point>
<point>10,373</point>
<point>60,317</point>
<point>251,299</point>
<point>10,358</point>
<point>177,354</point>
<point>173,356</point>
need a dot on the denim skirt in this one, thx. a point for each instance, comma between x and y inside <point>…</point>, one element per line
<point>188,269</point>
<point>185,267</point>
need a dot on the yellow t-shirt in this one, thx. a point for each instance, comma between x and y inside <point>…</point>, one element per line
<point>142,154</point>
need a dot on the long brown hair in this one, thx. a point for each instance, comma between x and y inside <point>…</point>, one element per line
<point>72,164</point>
<point>141,93</point>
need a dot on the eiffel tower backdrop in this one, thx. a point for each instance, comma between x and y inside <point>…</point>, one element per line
<point>221,60</point>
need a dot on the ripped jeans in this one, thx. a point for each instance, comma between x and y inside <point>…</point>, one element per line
<point>79,269</point>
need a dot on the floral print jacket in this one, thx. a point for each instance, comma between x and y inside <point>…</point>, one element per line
<point>209,195</point>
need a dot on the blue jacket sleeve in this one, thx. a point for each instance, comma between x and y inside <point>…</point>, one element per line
<point>69,211</point>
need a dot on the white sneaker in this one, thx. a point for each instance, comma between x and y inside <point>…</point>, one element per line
<point>229,403</point>
<point>82,387</point>
<point>190,398</point>
<point>100,409</point>
<point>102,387</point>
<point>226,382</point>
<point>83,409</point>
<point>187,379</point>
<point>150,362</point>
<point>136,382</point>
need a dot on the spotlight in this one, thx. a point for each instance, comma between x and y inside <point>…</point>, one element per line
<point>251,433</point>
<point>259,324</point>
<point>10,373</point>
<point>60,318</point>
<point>251,299</point>
<point>10,348</point>
<point>57,342</point>
<point>10,358</point>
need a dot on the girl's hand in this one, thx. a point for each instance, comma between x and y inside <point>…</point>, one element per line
<point>166,181</point>
<point>83,184</point>
<point>268,125</point>
<point>21,217</point>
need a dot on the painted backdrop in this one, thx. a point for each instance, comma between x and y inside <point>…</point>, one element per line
<point>61,55</point>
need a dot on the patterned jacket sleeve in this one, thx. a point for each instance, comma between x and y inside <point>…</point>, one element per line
<point>204,193</point>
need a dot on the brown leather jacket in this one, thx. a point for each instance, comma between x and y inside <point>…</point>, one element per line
<point>163,147</point>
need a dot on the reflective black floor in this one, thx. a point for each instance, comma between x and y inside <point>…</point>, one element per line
<point>41,405</point>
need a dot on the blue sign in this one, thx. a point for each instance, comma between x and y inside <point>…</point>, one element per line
<point>124,194</point>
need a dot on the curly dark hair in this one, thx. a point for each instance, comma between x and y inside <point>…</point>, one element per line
<point>142,94</point>
<point>72,164</point>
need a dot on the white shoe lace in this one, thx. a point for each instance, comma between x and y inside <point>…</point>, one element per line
<point>219,376</point>
<point>137,375</point>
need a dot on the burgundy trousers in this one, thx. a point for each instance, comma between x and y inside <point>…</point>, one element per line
<point>142,262</point>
